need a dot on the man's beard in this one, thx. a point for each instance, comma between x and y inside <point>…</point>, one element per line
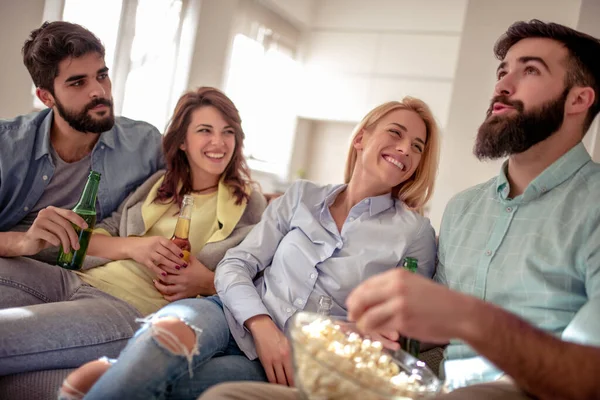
<point>501,136</point>
<point>83,122</point>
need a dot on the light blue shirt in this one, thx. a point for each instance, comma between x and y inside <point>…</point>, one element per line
<point>298,254</point>
<point>125,156</point>
<point>537,255</point>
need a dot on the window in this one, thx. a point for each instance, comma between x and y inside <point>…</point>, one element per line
<point>152,62</point>
<point>261,80</point>
<point>149,46</point>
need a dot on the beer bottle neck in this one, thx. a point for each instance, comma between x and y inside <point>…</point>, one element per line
<point>88,197</point>
<point>182,229</point>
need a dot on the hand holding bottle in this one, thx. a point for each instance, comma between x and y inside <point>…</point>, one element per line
<point>52,227</point>
<point>158,254</point>
<point>196,279</point>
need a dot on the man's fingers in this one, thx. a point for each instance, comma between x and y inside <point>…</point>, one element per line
<point>387,343</point>
<point>376,318</point>
<point>41,234</point>
<point>56,224</point>
<point>71,216</point>
<point>373,291</point>
<point>58,231</point>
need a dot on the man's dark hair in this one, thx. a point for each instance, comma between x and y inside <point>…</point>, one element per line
<point>583,64</point>
<point>53,42</point>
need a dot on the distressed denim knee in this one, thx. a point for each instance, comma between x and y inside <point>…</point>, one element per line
<point>175,335</point>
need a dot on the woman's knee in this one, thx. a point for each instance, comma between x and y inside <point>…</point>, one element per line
<point>175,335</point>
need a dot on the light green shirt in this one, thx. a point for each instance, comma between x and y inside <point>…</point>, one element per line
<point>537,255</point>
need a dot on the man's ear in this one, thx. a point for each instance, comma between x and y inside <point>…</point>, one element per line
<point>580,99</point>
<point>358,141</point>
<point>45,97</point>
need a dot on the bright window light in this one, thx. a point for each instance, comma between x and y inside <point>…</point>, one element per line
<point>262,83</point>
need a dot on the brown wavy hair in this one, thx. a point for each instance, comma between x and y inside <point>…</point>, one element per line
<point>237,174</point>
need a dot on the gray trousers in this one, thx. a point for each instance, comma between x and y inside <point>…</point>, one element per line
<point>50,318</point>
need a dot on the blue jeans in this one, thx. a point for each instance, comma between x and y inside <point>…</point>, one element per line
<point>51,319</point>
<point>147,370</point>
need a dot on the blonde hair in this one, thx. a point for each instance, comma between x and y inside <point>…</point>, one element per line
<point>416,191</point>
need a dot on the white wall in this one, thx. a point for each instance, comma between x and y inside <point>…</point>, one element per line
<point>361,54</point>
<point>17,20</point>
<point>328,148</point>
<point>485,21</point>
<point>298,12</point>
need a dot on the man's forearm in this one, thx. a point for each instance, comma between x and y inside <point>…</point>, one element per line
<point>10,244</point>
<point>539,363</point>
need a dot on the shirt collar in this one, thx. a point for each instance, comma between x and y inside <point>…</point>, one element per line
<point>42,145</point>
<point>108,137</point>
<point>558,172</point>
<point>375,204</point>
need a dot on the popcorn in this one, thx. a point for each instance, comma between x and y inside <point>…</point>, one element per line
<point>333,364</point>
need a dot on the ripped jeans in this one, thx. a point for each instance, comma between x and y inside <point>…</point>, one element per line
<point>146,369</point>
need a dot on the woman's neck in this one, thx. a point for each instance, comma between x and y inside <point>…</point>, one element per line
<point>356,192</point>
<point>203,182</point>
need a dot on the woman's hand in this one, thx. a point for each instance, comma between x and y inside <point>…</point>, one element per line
<point>157,253</point>
<point>191,281</point>
<point>273,348</point>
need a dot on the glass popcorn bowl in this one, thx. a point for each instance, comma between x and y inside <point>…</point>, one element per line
<point>333,361</point>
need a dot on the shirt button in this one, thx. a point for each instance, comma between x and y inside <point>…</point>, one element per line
<point>45,177</point>
<point>488,253</point>
<point>339,245</point>
<point>299,301</point>
<point>102,147</point>
<point>544,189</point>
<point>367,201</point>
<point>351,219</point>
<point>313,275</point>
<point>508,209</point>
<point>26,209</point>
<point>288,310</point>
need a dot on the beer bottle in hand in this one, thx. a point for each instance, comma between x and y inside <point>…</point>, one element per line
<point>411,346</point>
<point>86,209</point>
<point>182,229</point>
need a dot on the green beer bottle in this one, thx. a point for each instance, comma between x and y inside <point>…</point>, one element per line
<point>409,345</point>
<point>86,209</point>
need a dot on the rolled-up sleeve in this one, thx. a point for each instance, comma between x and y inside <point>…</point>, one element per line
<point>235,274</point>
